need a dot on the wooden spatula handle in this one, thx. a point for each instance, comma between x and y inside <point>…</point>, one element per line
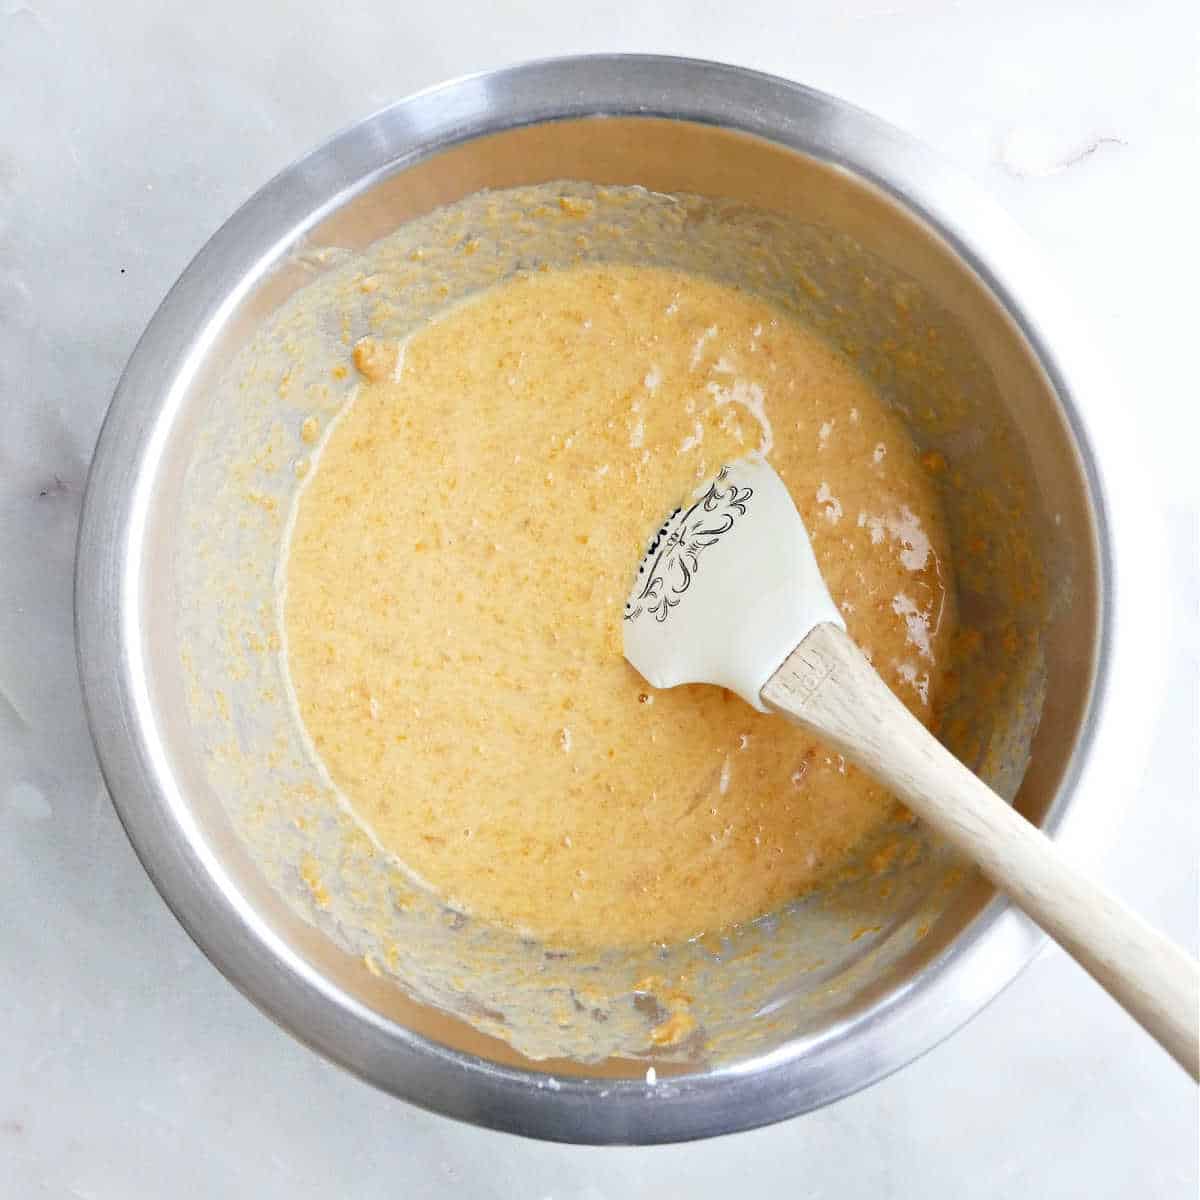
<point>827,685</point>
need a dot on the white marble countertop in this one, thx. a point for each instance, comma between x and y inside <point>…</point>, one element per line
<point>128,132</point>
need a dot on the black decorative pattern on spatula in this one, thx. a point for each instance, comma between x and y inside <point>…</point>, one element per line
<point>673,558</point>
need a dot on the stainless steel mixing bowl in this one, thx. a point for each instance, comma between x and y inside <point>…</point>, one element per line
<point>674,126</point>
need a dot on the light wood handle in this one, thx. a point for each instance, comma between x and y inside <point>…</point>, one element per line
<point>828,686</point>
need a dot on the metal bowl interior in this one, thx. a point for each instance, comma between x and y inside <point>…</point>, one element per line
<point>670,126</point>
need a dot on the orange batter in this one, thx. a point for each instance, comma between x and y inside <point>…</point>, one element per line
<point>454,588</point>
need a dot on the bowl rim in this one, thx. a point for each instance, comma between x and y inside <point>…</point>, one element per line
<point>985,957</point>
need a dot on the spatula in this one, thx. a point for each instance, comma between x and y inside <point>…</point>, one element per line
<point>729,593</point>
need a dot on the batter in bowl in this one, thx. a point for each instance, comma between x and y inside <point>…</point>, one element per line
<point>453,595</point>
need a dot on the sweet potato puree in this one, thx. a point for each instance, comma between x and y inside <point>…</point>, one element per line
<point>459,559</point>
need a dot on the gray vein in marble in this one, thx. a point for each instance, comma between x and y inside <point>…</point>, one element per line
<point>1029,166</point>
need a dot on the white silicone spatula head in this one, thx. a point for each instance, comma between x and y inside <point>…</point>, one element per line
<point>729,587</point>
<point>730,593</point>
